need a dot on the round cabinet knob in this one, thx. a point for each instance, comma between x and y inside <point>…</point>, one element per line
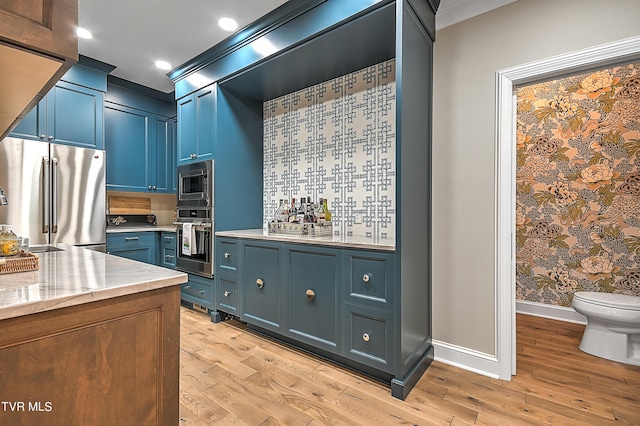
<point>227,293</point>
<point>366,278</point>
<point>310,295</point>
<point>227,255</point>
<point>260,282</point>
<point>43,137</point>
<point>50,138</point>
<point>155,187</point>
<point>366,337</point>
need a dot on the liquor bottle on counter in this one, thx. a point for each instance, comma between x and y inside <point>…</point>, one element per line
<point>292,211</point>
<point>278,216</point>
<point>321,212</point>
<point>327,213</point>
<point>301,210</point>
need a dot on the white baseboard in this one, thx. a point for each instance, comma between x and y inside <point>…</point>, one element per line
<point>467,359</point>
<point>560,313</point>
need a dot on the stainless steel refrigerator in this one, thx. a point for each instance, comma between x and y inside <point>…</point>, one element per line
<point>55,193</point>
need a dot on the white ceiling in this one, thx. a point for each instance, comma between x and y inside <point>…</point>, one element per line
<point>133,34</point>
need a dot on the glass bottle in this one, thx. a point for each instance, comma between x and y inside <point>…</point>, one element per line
<point>8,241</point>
<point>321,212</point>
<point>277,216</point>
<point>327,213</point>
<point>292,211</point>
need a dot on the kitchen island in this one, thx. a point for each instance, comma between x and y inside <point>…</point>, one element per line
<point>89,338</point>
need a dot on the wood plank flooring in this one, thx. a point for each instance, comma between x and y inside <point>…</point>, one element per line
<point>232,376</point>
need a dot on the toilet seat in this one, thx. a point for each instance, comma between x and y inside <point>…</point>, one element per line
<point>612,300</point>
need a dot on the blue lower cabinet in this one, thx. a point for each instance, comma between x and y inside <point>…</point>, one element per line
<point>261,285</point>
<point>313,276</point>
<point>199,291</point>
<point>140,246</point>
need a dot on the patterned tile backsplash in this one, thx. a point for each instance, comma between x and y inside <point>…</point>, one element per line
<point>336,140</point>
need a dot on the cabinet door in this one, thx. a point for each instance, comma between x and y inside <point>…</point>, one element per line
<point>75,116</point>
<point>313,297</point>
<point>261,284</point>
<point>196,129</point>
<point>205,126</point>
<point>186,129</point>
<point>127,147</point>
<point>144,254</point>
<point>33,125</point>
<point>160,155</point>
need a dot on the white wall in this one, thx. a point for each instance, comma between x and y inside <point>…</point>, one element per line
<point>467,56</point>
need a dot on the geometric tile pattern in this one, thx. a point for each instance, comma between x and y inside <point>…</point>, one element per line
<point>337,140</point>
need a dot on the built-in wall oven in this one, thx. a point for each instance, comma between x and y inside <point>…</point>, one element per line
<point>195,222</point>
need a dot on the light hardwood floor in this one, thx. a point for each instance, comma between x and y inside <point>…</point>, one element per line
<point>232,376</point>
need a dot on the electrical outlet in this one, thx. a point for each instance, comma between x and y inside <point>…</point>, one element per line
<point>357,218</point>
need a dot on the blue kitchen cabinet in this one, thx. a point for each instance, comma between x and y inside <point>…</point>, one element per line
<point>196,125</point>
<point>139,150</point>
<point>313,295</point>
<point>71,113</point>
<point>261,286</point>
<point>140,246</point>
<point>168,249</point>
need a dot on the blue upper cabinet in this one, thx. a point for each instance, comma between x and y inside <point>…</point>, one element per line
<point>72,111</point>
<point>139,139</point>
<point>127,137</point>
<point>139,150</point>
<point>196,125</point>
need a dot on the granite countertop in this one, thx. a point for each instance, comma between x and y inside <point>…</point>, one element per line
<point>157,228</point>
<point>76,276</point>
<point>359,242</point>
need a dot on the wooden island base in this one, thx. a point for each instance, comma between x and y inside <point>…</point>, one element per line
<point>109,362</point>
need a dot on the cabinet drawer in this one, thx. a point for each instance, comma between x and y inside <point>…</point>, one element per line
<point>368,335</point>
<point>370,278</point>
<point>168,257</point>
<point>198,290</point>
<point>169,240</point>
<point>227,294</point>
<point>227,255</point>
<point>131,238</point>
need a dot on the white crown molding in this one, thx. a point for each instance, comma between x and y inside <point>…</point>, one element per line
<point>453,11</point>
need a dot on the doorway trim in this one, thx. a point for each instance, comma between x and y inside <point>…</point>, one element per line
<point>601,56</point>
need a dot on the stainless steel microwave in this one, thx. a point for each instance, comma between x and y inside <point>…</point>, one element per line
<point>195,184</point>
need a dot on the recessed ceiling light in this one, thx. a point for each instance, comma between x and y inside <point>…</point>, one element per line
<point>163,65</point>
<point>83,33</point>
<point>227,24</point>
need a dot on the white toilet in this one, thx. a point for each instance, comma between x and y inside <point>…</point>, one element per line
<point>613,325</point>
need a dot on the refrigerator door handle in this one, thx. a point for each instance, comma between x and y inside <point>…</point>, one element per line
<point>45,195</point>
<point>54,197</point>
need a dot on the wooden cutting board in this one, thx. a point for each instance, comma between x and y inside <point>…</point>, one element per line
<point>129,205</point>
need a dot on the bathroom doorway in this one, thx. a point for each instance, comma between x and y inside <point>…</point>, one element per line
<point>509,159</point>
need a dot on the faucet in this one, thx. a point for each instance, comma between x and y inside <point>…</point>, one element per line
<point>3,198</point>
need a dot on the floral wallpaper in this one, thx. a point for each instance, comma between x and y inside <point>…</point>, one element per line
<point>578,186</point>
<point>336,140</point>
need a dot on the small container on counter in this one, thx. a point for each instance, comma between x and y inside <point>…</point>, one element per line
<point>8,241</point>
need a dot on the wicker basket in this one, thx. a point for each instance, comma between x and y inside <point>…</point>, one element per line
<point>23,263</point>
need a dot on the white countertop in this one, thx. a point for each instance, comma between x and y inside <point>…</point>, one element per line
<point>359,242</point>
<point>158,228</point>
<point>76,276</point>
